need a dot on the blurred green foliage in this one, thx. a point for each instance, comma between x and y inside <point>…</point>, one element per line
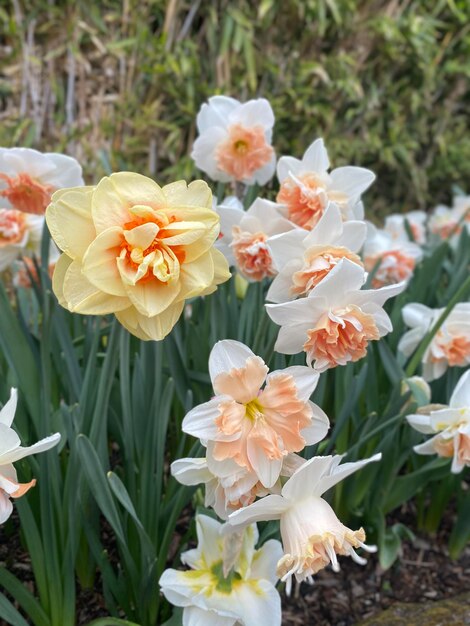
<point>119,83</point>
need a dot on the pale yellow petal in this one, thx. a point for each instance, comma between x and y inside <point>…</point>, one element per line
<point>160,326</point>
<point>83,297</point>
<point>150,328</point>
<point>196,194</point>
<point>129,318</point>
<point>137,189</point>
<point>221,272</point>
<point>152,297</point>
<point>141,236</point>
<point>108,208</point>
<point>100,262</point>
<point>69,220</point>
<point>196,276</point>
<point>58,277</point>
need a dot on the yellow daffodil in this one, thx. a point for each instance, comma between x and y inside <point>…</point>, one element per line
<point>136,249</point>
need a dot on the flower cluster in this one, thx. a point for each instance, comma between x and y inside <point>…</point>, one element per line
<point>12,451</point>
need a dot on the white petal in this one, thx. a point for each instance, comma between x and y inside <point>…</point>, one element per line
<point>461,395</point>
<point>7,414</point>
<point>318,428</point>
<point>328,229</point>
<point>267,470</point>
<point>287,164</point>
<point>200,421</point>
<point>352,181</point>
<point>6,507</point>
<point>191,471</point>
<point>421,423</point>
<point>268,508</point>
<point>342,472</point>
<point>226,355</point>
<point>265,561</point>
<point>316,158</point>
<point>417,315</point>
<point>255,113</point>
<point>305,480</point>
<point>40,446</point>
<point>194,616</point>
<point>216,112</point>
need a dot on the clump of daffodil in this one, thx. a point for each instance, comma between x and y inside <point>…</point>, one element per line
<point>136,249</point>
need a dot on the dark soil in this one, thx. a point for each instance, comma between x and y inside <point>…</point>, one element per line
<point>425,573</point>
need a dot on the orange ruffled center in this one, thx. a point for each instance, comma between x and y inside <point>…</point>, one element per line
<point>252,254</point>
<point>26,193</point>
<point>339,337</point>
<point>268,420</point>
<point>456,349</point>
<point>305,199</point>
<point>244,151</point>
<point>147,251</point>
<point>12,226</point>
<point>317,265</point>
<point>395,267</point>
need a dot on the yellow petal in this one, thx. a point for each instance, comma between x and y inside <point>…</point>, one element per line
<point>221,271</point>
<point>83,297</point>
<point>196,276</point>
<point>108,208</point>
<point>100,262</point>
<point>160,326</point>
<point>151,297</point>
<point>58,277</point>
<point>150,328</point>
<point>69,220</point>
<point>137,189</point>
<point>141,236</point>
<point>196,194</point>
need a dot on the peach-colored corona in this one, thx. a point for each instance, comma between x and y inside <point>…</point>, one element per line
<point>341,336</point>
<point>12,226</point>
<point>244,151</point>
<point>304,202</point>
<point>27,194</point>
<point>395,267</point>
<point>252,255</point>
<point>317,265</point>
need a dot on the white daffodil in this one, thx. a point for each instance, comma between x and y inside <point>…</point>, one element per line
<point>336,321</point>
<point>255,419</point>
<point>311,533</point>
<point>20,234</point>
<point>307,187</point>
<point>450,346</point>
<point>245,236</point>
<point>396,258</point>
<point>11,451</point>
<point>395,225</point>
<point>234,142</point>
<point>304,259</point>
<point>236,487</point>
<point>445,222</point>
<point>246,596</point>
<point>28,178</point>
<point>450,427</point>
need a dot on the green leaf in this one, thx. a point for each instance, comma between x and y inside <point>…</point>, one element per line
<point>10,614</point>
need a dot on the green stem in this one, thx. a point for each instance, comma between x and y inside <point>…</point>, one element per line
<point>418,355</point>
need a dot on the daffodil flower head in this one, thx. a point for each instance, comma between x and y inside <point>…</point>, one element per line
<point>312,535</point>
<point>450,427</point>
<point>11,451</point>
<point>138,250</point>
<point>255,419</point>
<point>243,596</point>
<point>307,187</point>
